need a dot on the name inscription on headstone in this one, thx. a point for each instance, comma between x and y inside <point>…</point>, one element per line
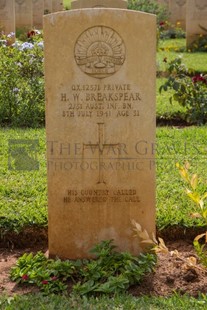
<point>109,100</point>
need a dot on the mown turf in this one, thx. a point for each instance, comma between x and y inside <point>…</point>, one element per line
<point>23,194</point>
<point>120,302</point>
<point>173,48</point>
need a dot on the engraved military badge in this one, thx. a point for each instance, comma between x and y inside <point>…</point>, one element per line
<point>99,52</point>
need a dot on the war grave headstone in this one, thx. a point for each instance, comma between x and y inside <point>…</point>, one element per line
<point>177,10</point>
<point>47,6</point>
<point>38,12</point>
<point>57,5</point>
<point>7,16</point>
<point>100,125</point>
<point>23,13</point>
<point>196,16</point>
<point>79,4</point>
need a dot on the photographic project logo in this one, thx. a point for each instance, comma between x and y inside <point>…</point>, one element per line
<point>22,155</point>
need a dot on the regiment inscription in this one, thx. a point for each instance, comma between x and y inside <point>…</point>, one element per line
<point>106,100</point>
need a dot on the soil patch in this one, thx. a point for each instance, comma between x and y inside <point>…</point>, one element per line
<point>173,274</point>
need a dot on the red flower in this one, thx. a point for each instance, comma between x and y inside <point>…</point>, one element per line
<point>162,24</point>
<point>31,34</point>
<point>25,277</point>
<point>44,282</point>
<point>199,78</point>
<point>54,278</point>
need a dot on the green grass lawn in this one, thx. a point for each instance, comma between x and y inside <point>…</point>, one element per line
<point>178,145</point>
<point>23,194</point>
<point>120,302</point>
<point>172,48</point>
<point>164,109</point>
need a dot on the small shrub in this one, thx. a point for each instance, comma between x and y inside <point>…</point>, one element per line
<point>110,272</point>
<point>150,6</point>
<point>198,196</point>
<point>200,44</point>
<point>22,83</point>
<point>168,31</point>
<point>190,91</point>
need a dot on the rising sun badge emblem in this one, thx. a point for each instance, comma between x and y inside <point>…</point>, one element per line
<point>99,52</point>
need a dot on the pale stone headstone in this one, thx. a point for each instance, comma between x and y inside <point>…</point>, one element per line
<point>177,10</point>
<point>196,17</point>
<point>38,12</point>
<point>57,5</point>
<point>47,6</point>
<point>23,13</point>
<point>7,16</point>
<point>79,4</point>
<point>100,116</point>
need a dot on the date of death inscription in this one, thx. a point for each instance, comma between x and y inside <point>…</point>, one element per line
<point>101,196</point>
<point>101,100</point>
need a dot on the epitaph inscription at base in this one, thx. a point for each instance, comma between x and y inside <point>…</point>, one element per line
<point>100,94</point>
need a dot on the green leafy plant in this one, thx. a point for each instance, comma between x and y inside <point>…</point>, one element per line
<point>154,245</point>
<point>110,272</point>
<point>200,44</point>
<point>49,275</point>
<point>198,196</point>
<point>21,82</point>
<point>190,90</point>
<point>158,246</point>
<point>153,7</point>
<point>150,6</point>
<point>169,31</point>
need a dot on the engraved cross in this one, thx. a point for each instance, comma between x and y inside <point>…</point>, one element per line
<point>101,146</point>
